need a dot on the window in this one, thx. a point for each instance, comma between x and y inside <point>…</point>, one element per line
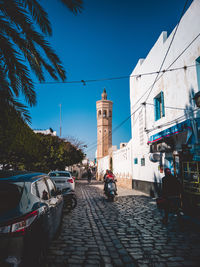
<point>99,114</point>
<point>51,186</point>
<point>198,71</point>
<point>104,113</point>
<point>135,160</point>
<point>142,161</point>
<point>110,113</point>
<point>42,189</point>
<point>159,107</point>
<point>10,196</point>
<point>34,190</point>
<point>60,174</point>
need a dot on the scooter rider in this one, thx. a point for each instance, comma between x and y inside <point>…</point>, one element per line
<point>107,177</point>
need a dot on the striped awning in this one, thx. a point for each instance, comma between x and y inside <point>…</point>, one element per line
<point>175,129</point>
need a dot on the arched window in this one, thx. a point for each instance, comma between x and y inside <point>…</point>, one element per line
<point>104,113</point>
<point>110,113</point>
<point>99,114</point>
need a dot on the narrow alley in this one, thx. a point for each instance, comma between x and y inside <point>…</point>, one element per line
<point>127,232</point>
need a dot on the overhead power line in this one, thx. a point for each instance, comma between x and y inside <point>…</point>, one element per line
<point>168,69</point>
<point>92,146</point>
<point>164,71</point>
<point>172,121</point>
<point>167,50</point>
<point>84,82</point>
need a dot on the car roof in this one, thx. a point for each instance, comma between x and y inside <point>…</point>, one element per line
<point>59,172</point>
<point>20,176</point>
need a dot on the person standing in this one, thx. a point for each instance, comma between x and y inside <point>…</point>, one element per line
<point>89,175</point>
<point>171,192</point>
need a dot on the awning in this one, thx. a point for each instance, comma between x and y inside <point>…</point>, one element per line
<point>176,129</point>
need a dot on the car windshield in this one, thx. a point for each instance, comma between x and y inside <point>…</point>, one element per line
<point>59,174</point>
<point>10,195</point>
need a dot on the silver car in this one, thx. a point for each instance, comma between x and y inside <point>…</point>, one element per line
<point>63,180</point>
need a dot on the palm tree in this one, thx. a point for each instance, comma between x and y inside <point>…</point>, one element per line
<point>21,43</point>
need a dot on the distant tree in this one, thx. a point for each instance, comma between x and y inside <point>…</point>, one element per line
<point>56,153</point>
<point>21,42</point>
<point>19,145</point>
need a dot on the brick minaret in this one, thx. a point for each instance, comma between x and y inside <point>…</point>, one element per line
<point>104,125</point>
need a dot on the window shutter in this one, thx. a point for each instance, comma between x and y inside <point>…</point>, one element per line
<point>162,101</point>
<point>156,109</point>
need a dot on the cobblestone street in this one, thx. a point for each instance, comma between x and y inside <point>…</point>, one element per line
<point>127,232</point>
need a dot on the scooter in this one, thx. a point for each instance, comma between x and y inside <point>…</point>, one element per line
<point>111,189</point>
<point>70,199</point>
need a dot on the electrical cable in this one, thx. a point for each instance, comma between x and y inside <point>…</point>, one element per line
<point>166,106</point>
<point>166,70</point>
<point>168,49</point>
<point>172,121</point>
<point>170,66</point>
<point>121,77</point>
<point>114,130</point>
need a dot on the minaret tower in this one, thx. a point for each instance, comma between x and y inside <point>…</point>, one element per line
<point>104,125</point>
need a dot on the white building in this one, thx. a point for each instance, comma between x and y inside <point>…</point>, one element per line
<point>48,131</point>
<point>162,119</point>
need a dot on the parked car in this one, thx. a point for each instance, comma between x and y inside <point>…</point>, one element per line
<point>30,216</point>
<point>63,180</point>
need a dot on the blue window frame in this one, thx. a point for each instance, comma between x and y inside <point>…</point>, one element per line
<point>159,108</point>
<point>198,71</point>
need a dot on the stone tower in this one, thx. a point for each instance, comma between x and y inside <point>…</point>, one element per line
<point>104,125</point>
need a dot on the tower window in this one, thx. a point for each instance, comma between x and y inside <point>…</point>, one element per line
<point>99,114</point>
<point>104,113</point>
<point>110,113</point>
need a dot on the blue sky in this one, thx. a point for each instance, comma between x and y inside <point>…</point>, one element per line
<point>106,40</point>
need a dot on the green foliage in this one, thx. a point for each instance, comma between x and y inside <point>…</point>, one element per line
<point>21,148</point>
<point>24,26</point>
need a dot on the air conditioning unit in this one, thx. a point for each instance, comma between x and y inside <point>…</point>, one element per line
<point>155,157</point>
<point>163,147</point>
<point>153,148</point>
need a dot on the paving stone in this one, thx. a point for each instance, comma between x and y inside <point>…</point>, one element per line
<point>99,233</point>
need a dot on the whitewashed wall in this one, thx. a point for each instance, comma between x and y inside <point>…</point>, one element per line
<point>176,85</point>
<point>102,166</point>
<point>122,162</point>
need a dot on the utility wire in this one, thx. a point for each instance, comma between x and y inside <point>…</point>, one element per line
<point>114,130</point>
<point>122,77</point>
<point>167,106</point>
<point>169,67</point>
<point>167,50</point>
<point>172,121</point>
<point>162,75</point>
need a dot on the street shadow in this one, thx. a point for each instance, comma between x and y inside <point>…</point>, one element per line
<point>155,191</point>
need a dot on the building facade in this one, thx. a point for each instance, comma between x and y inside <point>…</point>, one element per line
<point>104,126</point>
<point>165,120</point>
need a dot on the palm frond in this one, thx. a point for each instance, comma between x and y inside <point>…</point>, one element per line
<point>17,72</point>
<point>39,15</point>
<point>75,6</point>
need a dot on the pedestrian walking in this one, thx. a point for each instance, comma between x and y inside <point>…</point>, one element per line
<point>89,175</point>
<point>171,193</point>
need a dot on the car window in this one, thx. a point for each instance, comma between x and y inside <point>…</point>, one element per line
<point>10,195</point>
<point>51,186</point>
<point>60,174</point>
<point>34,190</point>
<point>42,189</point>
<point>52,174</point>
